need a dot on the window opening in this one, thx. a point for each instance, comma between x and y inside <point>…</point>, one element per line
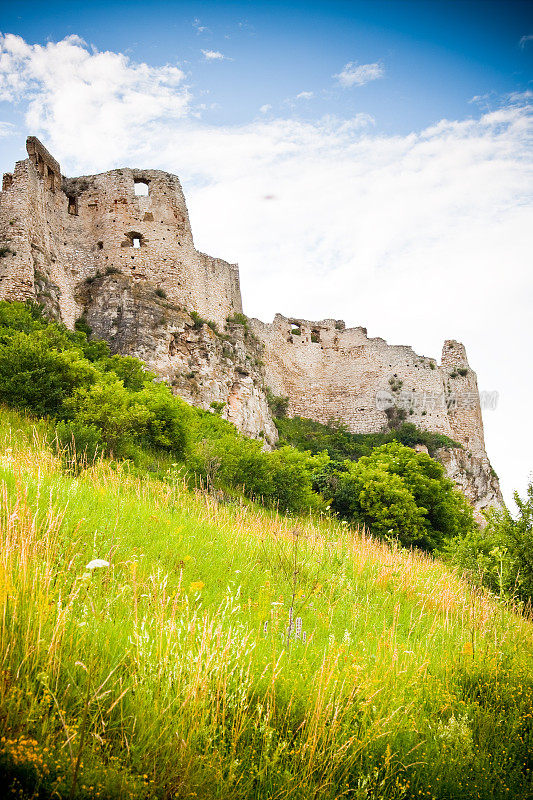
<point>136,242</point>
<point>73,206</point>
<point>141,188</point>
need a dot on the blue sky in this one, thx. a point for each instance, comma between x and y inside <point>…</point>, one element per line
<point>370,161</point>
<point>436,56</point>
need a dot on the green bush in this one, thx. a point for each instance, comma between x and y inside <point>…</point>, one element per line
<point>278,405</point>
<point>83,326</point>
<point>38,378</point>
<point>131,371</point>
<point>238,319</point>
<point>341,444</point>
<point>501,555</point>
<point>292,479</point>
<point>399,493</point>
<point>121,416</point>
<point>166,425</point>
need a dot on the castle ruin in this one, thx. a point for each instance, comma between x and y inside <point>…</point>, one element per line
<point>117,249</point>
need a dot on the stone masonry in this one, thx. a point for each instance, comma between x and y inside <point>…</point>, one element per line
<point>333,373</point>
<point>117,248</point>
<point>64,231</point>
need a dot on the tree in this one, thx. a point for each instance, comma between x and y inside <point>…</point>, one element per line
<point>398,492</point>
<point>119,415</point>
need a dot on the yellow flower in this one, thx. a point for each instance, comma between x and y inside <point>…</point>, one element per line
<point>196,586</point>
<point>467,649</point>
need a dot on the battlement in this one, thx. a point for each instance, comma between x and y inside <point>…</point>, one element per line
<point>333,373</point>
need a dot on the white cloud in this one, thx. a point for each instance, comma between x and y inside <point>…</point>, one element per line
<point>357,75</point>
<point>305,95</point>
<point>215,55</point>
<point>525,40</point>
<point>82,97</point>
<point>7,129</point>
<point>199,27</point>
<point>419,237</point>
<point>265,108</point>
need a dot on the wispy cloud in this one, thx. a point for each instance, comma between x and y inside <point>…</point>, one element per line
<point>353,74</point>
<point>215,55</point>
<point>6,129</point>
<point>69,89</point>
<point>525,40</point>
<point>197,25</point>
<point>264,109</point>
<point>305,95</point>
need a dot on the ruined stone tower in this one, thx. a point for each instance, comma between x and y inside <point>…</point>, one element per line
<point>66,231</point>
<point>117,249</point>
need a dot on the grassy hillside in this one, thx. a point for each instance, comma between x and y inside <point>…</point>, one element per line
<point>175,672</point>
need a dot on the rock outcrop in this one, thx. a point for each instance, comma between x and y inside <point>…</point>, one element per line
<point>212,369</point>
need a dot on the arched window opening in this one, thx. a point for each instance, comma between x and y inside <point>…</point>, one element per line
<point>136,240</point>
<point>141,188</point>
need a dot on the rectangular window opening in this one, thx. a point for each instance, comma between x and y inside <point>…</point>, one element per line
<point>141,188</point>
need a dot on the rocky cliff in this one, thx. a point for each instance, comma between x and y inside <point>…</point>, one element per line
<point>214,369</point>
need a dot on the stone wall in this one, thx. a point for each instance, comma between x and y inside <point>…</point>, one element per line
<point>331,373</point>
<point>65,231</point>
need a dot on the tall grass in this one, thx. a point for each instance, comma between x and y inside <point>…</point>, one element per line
<point>177,671</point>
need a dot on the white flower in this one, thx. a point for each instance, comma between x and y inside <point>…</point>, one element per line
<point>97,562</point>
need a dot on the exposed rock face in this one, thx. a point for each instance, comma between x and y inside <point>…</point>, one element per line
<point>213,371</point>
<point>99,246</point>
<point>474,476</point>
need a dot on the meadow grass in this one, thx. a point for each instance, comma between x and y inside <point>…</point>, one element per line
<point>230,652</point>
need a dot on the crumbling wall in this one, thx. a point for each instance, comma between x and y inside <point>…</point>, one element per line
<point>331,373</point>
<point>67,231</point>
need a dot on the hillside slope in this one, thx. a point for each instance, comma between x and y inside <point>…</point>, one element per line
<point>228,652</point>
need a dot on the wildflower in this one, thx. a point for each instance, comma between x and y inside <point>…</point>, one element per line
<point>196,586</point>
<point>468,649</point>
<point>298,628</point>
<point>97,562</point>
<point>265,627</point>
